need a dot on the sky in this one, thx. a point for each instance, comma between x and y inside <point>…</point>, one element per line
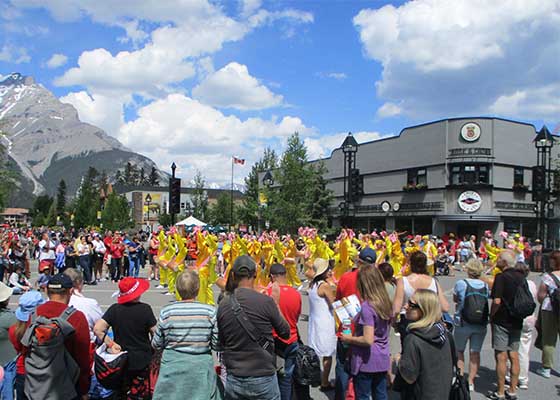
<point>195,82</point>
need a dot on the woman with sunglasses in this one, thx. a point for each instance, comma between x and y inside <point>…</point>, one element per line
<point>426,366</point>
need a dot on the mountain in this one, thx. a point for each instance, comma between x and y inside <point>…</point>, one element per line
<point>47,141</point>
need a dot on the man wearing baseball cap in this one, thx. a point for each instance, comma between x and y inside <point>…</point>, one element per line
<point>347,286</point>
<point>248,347</point>
<point>59,290</point>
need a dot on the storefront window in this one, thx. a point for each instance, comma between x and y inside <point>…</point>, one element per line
<point>518,176</point>
<point>470,174</point>
<point>416,176</point>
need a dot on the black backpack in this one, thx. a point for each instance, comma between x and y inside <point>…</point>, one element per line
<point>523,303</point>
<point>308,367</point>
<point>555,295</point>
<point>475,305</point>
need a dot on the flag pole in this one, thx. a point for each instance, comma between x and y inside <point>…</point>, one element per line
<point>231,196</point>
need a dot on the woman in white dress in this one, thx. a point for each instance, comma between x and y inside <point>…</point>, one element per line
<point>322,330</point>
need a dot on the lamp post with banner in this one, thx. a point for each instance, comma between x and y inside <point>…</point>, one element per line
<point>148,203</point>
<point>541,183</point>
<point>349,148</point>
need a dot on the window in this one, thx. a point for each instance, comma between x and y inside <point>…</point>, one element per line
<point>469,174</point>
<point>416,176</point>
<point>518,173</point>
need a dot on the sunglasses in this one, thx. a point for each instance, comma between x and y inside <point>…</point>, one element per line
<point>412,304</point>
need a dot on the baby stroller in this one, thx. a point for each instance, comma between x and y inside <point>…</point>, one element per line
<point>442,265</point>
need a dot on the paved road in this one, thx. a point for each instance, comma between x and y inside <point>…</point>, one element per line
<point>539,388</point>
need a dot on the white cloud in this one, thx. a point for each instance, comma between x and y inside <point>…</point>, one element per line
<point>533,103</point>
<point>321,147</point>
<point>14,54</point>
<point>178,127</point>
<point>444,58</point>
<point>57,60</point>
<point>339,76</point>
<point>104,112</point>
<point>233,87</point>
<point>388,110</point>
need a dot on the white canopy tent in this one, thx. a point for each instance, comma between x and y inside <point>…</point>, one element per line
<point>190,221</point>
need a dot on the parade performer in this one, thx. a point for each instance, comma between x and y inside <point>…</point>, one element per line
<point>164,254</point>
<point>207,246</point>
<point>176,265</point>
<point>394,250</point>
<point>430,250</point>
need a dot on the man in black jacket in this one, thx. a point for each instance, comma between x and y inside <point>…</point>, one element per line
<point>250,363</point>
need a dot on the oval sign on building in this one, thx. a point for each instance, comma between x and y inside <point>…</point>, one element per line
<point>469,201</point>
<point>470,132</point>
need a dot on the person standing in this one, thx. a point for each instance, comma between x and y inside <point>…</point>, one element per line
<point>99,251</point>
<point>506,328</point>
<point>369,344</point>
<point>84,258</point>
<point>46,252</point>
<point>322,328</point>
<point>537,255</point>
<point>549,314</point>
<point>290,307</point>
<point>116,252</point>
<point>7,352</point>
<point>133,257</point>
<point>248,347</point>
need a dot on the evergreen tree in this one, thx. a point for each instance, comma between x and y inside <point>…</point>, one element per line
<point>103,182</point>
<point>165,219</point>
<point>51,219</point>
<point>119,178</point>
<point>200,198</point>
<point>219,213</point>
<point>321,198</point>
<point>41,205</point>
<point>288,204</point>
<point>87,201</point>
<point>130,174</point>
<point>249,211</point>
<point>153,178</point>
<point>61,197</point>
<point>116,214</point>
<point>142,177</point>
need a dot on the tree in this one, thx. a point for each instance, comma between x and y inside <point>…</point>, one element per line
<point>61,197</point>
<point>119,178</point>
<point>51,219</point>
<point>219,213</point>
<point>153,177</point>
<point>130,175</point>
<point>321,199</point>
<point>288,207</point>
<point>87,201</point>
<point>200,198</point>
<point>116,214</point>
<point>41,207</point>
<point>248,212</point>
<point>142,177</point>
<point>165,219</point>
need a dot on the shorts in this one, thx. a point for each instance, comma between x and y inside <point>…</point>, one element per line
<point>474,334</point>
<point>504,339</point>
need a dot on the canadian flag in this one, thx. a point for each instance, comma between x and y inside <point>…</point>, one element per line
<point>240,161</point>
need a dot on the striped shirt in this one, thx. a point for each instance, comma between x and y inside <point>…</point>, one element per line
<point>187,327</point>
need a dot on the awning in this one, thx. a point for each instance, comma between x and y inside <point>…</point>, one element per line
<point>469,217</point>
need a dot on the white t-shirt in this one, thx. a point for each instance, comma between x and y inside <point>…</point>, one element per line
<point>83,249</point>
<point>13,280</point>
<point>549,282</point>
<point>98,246</point>
<point>90,308</point>
<point>46,255</point>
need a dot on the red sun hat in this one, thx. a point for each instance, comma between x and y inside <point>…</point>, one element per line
<point>131,288</point>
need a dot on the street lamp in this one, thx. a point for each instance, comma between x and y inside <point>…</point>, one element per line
<point>148,202</point>
<point>268,181</point>
<point>349,148</point>
<point>544,141</point>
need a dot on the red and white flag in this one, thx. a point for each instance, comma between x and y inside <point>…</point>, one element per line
<point>240,161</point>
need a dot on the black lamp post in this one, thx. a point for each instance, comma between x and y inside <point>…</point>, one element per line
<point>349,148</point>
<point>148,202</point>
<point>544,141</point>
<point>268,181</point>
<point>173,168</point>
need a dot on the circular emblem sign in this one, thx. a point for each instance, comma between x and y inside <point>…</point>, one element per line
<point>396,206</point>
<point>469,201</point>
<point>470,132</point>
<point>386,206</point>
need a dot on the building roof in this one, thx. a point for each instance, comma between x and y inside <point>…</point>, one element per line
<point>212,193</point>
<point>15,211</point>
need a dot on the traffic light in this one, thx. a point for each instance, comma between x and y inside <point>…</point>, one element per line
<point>539,183</point>
<point>356,184</point>
<point>174,195</point>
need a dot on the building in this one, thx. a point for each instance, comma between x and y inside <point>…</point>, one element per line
<point>461,175</point>
<point>15,216</point>
<point>148,202</point>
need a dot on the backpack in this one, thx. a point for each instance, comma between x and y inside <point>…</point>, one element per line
<point>475,305</point>
<point>555,295</point>
<point>523,303</point>
<point>308,367</point>
<point>50,370</point>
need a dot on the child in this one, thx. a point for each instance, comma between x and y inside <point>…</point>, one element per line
<point>44,278</point>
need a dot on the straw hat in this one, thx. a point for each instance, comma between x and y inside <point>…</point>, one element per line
<point>320,265</point>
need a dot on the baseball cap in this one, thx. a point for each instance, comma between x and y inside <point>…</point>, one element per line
<point>60,281</point>
<point>367,255</point>
<point>277,269</point>
<point>28,302</point>
<point>244,263</point>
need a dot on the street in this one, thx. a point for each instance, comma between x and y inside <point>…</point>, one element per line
<point>539,388</point>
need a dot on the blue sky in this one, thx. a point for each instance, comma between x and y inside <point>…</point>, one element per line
<point>193,81</point>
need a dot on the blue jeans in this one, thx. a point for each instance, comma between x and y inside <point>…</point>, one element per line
<point>341,375</point>
<point>7,391</point>
<point>366,384</point>
<point>285,379</point>
<point>133,267</point>
<point>252,388</point>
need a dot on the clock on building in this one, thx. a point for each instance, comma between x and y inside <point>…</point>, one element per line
<point>386,206</point>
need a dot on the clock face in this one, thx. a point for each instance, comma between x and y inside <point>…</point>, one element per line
<point>470,132</point>
<point>396,206</point>
<point>469,201</point>
<point>386,206</point>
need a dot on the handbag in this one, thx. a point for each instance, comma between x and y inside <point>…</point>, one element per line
<point>459,387</point>
<point>110,368</point>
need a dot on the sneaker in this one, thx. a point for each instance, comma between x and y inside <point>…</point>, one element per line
<point>523,385</point>
<point>160,287</point>
<point>495,396</point>
<point>511,396</point>
<point>544,372</point>
<point>170,294</point>
<point>471,387</point>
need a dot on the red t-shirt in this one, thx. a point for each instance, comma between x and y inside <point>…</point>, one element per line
<point>117,250</point>
<point>290,306</point>
<point>348,284</point>
<point>78,344</point>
